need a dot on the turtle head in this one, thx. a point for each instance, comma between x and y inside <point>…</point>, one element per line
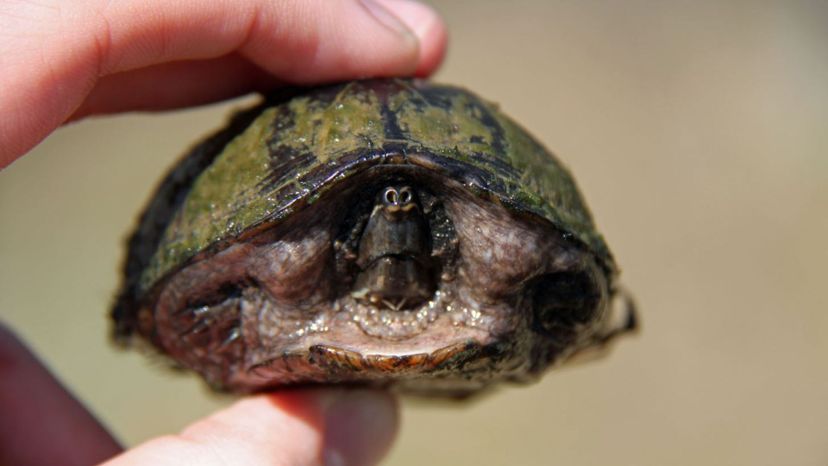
<point>396,269</point>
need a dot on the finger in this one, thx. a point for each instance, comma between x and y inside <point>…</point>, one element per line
<point>429,29</point>
<point>176,84</point>
<point>330,427</point>
<point>40,422</point>
<point>54,53</point>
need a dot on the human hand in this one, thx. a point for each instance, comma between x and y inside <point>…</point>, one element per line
<point>42,424</point>
<point>63,61</point>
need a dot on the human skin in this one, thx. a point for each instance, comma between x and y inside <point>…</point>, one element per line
<point>67,60</point>
<point>63,61</point>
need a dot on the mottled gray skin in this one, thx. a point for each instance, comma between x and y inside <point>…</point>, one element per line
<point>385,232</point>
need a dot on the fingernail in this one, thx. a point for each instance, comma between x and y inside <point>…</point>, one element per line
<point>405,16</point>
<point>359,427</point>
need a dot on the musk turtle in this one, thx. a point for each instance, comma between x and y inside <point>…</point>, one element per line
<point>384,232</point>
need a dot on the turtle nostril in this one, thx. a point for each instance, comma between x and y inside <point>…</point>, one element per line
<point>405,195</point>
<point>391,197</point>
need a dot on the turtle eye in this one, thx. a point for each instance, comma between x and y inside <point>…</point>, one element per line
<point>562,302</point>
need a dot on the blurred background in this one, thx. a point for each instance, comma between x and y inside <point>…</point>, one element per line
<point>699,134</point>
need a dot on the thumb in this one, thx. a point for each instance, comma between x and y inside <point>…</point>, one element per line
<point>333,427</point>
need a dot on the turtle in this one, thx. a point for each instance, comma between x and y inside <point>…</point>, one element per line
<point>384,232</point>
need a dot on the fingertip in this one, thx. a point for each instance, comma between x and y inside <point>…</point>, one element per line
<point>360,426</point>
<point>353,427</point>
<point>427,26</point>
<point>432,48</point>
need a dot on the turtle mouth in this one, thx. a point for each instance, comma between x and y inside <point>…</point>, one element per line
<point>347,363</point>
<point>325,363</point>
<point>334,357</point>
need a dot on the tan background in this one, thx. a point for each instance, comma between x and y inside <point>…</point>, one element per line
<point>699,134</point>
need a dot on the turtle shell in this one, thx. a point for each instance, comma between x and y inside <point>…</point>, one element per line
<point>300,149</point>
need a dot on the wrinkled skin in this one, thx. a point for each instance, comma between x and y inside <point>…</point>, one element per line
<point>398,274</point>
